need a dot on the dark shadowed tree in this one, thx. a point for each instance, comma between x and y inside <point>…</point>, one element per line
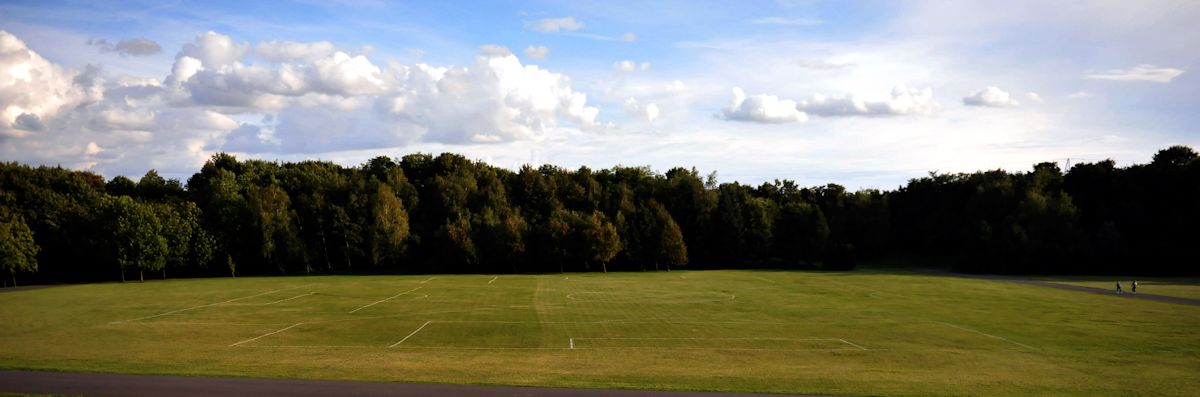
<point>18,251</point>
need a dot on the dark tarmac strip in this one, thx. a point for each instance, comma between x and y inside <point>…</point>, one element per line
<point>92,384</point>
<point>1126,295</point>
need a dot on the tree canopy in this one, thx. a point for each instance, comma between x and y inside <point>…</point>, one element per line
<point>446,213</point>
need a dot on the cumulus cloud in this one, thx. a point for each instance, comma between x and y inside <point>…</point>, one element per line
<point>537,52</point>
<point>990,96</point>
<point>762,108</point>
<point>313,97</point>
<point>636,110</point>
<point>135,47</point>
<point>1143,72</point>
<point>628,66</point>
<point>1034,97</point>
<point>901,101</point>
<point>496,99</point>
<point>215,50</point>
<point>551,25</point>
<point>32,89</point>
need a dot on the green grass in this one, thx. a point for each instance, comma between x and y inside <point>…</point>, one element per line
<point>863,333</point>
<point>1183,288</point>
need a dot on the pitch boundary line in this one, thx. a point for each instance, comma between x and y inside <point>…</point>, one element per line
<point>384,300</point>
<point>428,280</point>
<point>493,280</point>
<point>210,304</point>
<point>988,335</point>
<point>266,334</point>
<point>410,335</point>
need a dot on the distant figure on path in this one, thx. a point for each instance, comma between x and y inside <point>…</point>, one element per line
<point>1133,287</point>
<point>1119,288</point>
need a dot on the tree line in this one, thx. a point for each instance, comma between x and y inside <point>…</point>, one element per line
<point>448,214</point>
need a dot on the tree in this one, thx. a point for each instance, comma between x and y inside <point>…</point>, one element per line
<point>18,251</point>
<point>669,247</point>
<point>136,236</point>
<point>600,242</point>
<point>274,219</point>
<point>390,228</point>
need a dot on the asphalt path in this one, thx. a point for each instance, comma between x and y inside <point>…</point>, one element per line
<point>1126,295</point>
<point>121,385</point>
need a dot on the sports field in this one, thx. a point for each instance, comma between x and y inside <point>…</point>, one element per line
<point>860,333</point>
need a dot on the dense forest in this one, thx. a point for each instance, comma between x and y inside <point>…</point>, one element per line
<point>448,214</point>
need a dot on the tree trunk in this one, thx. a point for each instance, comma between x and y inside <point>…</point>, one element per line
<point>141,278</point>
<point>14,280</point>
<point>122,275</point>
<point>164,273</point>
<point>604,266</point>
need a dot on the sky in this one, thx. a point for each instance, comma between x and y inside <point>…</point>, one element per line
<point>867,94</point>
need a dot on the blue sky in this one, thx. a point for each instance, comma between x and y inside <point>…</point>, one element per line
<point>866,94</point>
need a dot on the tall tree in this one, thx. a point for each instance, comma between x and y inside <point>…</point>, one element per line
<point>600,242</point>
<point>136,236</point>
<point>18,251</point>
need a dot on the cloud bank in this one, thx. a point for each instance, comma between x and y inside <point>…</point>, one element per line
<point>307,97</point>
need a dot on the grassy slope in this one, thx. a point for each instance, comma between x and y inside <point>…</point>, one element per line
<point>715,330</point>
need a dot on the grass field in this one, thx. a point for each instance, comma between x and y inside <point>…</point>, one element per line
<point>860,333</point>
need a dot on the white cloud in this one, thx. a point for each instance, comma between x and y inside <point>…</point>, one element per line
<point>215,50</point>
<point>495,99</point>
<point>33,90</point>
<point>902,101</point>
<point>629,37</point>
<point>315,99</point>
<point>787,21</point>
<point>1033,96</point>
<point>627,66</point>
<point>537,52</point>
<point>762,108</point>
<point>1141,72</point>
<point>634,109</point>
<point>551,25</point>
<point>288,51</point>
<point>990,96</point>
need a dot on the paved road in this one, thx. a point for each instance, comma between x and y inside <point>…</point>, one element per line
<point>1127,295</point>
<point>92,384</point>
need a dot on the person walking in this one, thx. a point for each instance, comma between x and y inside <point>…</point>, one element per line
<point>1119,288</point>
<point>1133,287</point>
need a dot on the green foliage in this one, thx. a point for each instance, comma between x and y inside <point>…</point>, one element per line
<point>447,213</point>
<point>137,235</point>
<point>18,251</point>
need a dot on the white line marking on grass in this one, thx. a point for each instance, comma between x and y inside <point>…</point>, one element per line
<point>410,335</point>
<point>853,344</point>
<point>384,300</point>
<point>988,335</point>
<point>288,299</point>
<point>572,343</point>
<point>493,279</point>
<point>763,279</point>
<point>716,339</point>
<point>428,280</point>
<point>211,304</point>
<point>266,334</point>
